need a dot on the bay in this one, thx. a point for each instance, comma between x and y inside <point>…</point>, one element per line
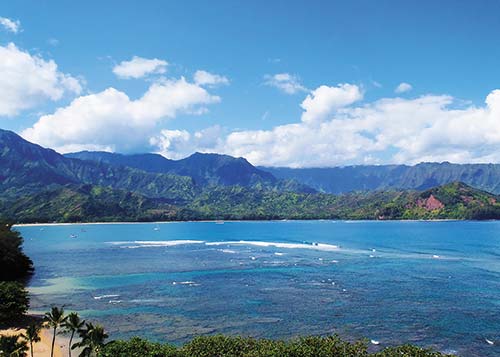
<point>434,284</point>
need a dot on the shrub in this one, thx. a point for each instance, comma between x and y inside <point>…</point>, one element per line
<point>14,301</point>
<point>14,264</point>
<point>13,346</point>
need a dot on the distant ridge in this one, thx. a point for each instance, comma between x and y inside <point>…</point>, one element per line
<point>204,169</point>
<point>399,177</point>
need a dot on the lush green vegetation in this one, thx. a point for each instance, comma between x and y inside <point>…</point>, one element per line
<point>71,203</point>
<point>14,301</point>
<point>226,346</point>
<point>207,170</point>
<point>15,268</point>
<point>14,264</point>
<point>12,346</point>
<point>26,168</point>
<point>452,201</point>
<point>88,203</point>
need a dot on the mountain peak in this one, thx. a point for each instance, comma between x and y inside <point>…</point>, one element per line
<point>206,169</point>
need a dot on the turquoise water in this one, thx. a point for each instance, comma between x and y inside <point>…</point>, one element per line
<point>434,284</point>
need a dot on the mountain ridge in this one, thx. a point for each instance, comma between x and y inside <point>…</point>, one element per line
<point>335,180</point>
<point>27,168</point>
<point>40,185</point>
<point>206,169</point>
<point>87,203</point>
<point>422,176</point>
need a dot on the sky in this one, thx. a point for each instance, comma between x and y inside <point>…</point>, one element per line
<point>281,83</point>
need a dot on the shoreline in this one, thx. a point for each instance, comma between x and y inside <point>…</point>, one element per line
<point>42,348</point>
<point>249,220</point>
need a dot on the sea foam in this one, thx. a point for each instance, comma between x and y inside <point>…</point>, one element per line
<point>314,246</point>
<point>154,244</point>
<point>106,296</point>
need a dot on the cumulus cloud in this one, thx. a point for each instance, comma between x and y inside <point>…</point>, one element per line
<point>204,78</point>
<point>10,25</point>
<point>27,80</point>
<point>139,67</point>
<point>389,130</point>
<point>177,144</point>
<point>110,120</point>
<point>324,100</point>
<point>403,87</point>
<point>286,82</point>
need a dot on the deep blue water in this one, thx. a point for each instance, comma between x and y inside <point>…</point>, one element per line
<point>434,284</point>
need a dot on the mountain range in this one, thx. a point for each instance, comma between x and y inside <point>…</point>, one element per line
<point>41,185</point>
<point>420,177</point>
<point>204,169</point>
<point>216,169</point>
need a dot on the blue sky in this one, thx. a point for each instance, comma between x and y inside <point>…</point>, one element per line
<point>447,53</point>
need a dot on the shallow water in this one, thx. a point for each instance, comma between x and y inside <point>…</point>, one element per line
<point>434,284</point>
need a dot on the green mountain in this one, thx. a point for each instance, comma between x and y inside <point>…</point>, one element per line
<point>26,168</point>
<point>40,185</point>
<point>92,203</point>
<point>370,178</point>
<point>87,203</point>
<point>451,201</point>
<point>206,170</point>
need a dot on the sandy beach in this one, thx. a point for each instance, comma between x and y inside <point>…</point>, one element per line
<point>42,348</point>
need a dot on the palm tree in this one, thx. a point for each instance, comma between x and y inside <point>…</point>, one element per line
<point>54,319</point>
<point>11,346</point>
<point>73,324</point>
<point>92,340</point>
<point>32,335</point>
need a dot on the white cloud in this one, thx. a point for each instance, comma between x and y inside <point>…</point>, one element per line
<point>110,120</point>
<point>139,67</point>
<point>27,80</point>
<point>389,130</point>
<point>204,78</point>
<point>324,100</point>
<point>10,25</point>
<point>286,82</point>
<point>177,144</point>
<point>403,87</point>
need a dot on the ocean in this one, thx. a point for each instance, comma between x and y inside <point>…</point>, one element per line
<point>433,284</point>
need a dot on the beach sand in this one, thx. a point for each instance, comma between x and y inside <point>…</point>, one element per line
<point>42,348</point>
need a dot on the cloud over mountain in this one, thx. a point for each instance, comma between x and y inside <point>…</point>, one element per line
<point>111,120</point>
<point>426,128</point>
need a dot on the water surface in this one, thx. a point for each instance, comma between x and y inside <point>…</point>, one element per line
<point>434,284</point>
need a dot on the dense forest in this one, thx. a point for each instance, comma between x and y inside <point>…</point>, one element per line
<point>87,203</point>
<point>15,269</point>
